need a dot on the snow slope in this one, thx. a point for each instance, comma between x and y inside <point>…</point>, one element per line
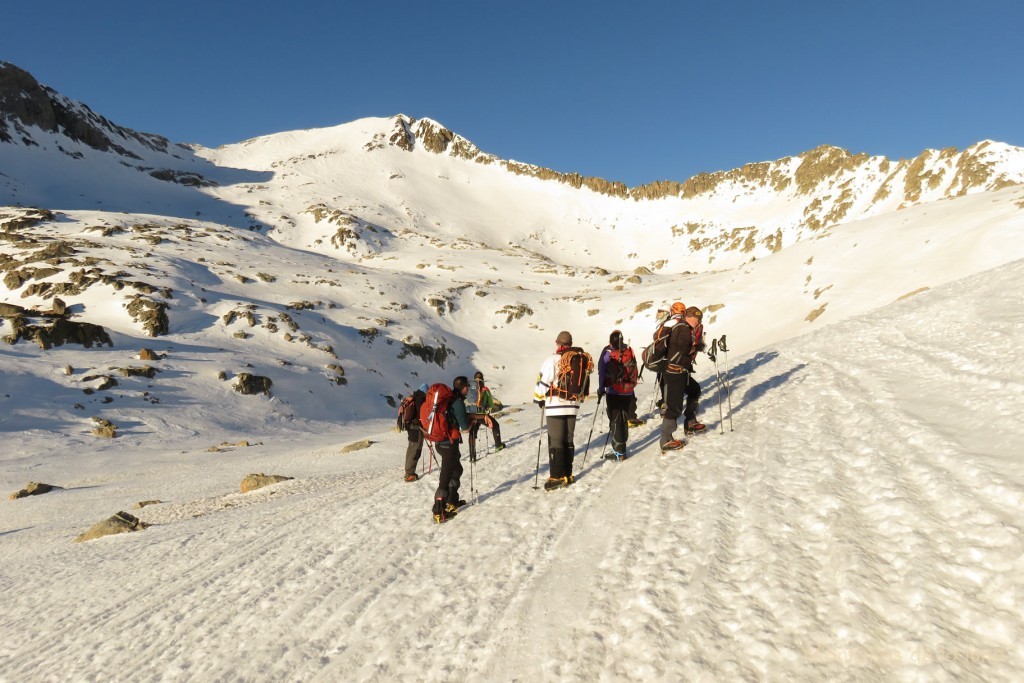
<point>859,519</point>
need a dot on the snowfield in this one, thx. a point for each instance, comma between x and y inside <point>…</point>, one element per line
<point>859,519</point>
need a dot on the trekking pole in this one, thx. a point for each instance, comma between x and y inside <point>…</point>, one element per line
<point>432,461</point>
<point>713,355</point>
<point>728,387</point>
<point>592,424</point>
<point>540,438</point>
<point>472,487</point>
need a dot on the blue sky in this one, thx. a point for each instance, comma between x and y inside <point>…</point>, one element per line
<point>636,91</point>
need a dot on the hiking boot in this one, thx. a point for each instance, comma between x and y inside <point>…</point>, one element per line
<point>499,447</point>
<point>619,456</point>
<point>556,483</point>
<point>694,427</point>
<point>673,445</point>
<point>457,504</point>
<point>451,509</point>
<point>570,480</point>
<point>635,423</point>
<point>411,477</point>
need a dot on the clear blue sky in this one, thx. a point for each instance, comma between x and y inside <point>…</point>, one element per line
<point>631,91</point>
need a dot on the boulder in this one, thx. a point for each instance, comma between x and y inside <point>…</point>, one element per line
<point>148,354</point>
<point>357,446</point>
<point>250,384</point>
<point>33,489</point>
<point>120,523</point>
<point>258,481</point>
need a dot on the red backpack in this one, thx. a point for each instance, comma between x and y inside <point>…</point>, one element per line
<point>434,417</point>
<point>621,371</point>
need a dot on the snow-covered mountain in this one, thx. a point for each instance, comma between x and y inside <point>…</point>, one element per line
<point>861,522</point>
<point>394,251</point>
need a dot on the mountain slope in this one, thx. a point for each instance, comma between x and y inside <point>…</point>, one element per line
<point>862,520</point>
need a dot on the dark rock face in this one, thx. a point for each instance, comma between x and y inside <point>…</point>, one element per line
<point>59,332</point>
<point>249,384</point>
<point>25,103</point>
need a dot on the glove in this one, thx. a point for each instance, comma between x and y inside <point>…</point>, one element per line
<point>600,392</point>
<point>701,346</point>
<point>539,402</point>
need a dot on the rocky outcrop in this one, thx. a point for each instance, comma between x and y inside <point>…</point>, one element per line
<point>25,104</point>
<point>258,481</point>
<point>249,384</point>
<point>33,489</point>
<point>57,333</point>
<point>120,523</point>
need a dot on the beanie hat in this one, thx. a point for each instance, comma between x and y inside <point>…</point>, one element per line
<point>694,312</point>
<point>563,338</point>
<point>678,308</point>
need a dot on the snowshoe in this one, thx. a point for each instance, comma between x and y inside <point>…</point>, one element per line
<point>411,477</point>
<point>673,445</point>
<point>635,423</point>
<point>499,447</point>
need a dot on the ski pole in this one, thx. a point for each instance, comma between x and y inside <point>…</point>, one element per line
<point>472,487</point>
<point>592,424</point>
<point>728,383</point>
<point>713,355</point>
<point>540,439</point>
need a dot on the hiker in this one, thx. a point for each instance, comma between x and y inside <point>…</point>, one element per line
<point>661,317</point>
<point>681,390</point>
<point>479,405</point>
<point>563,382</point>
<point>415,433</point>
<point>444,418</point>
<point>617,377</point>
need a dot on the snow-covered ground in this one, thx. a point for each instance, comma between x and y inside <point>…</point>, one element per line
<point>859,519</point>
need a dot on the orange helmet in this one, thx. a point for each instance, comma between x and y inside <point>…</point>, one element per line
<point>678,308</point>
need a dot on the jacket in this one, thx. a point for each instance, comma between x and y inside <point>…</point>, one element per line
<point>554,406</point>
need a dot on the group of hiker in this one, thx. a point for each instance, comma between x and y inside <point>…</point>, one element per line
<point>439,414</point>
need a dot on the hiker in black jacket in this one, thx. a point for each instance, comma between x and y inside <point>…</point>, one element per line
<point>681,390</point>
<point>415,434</point>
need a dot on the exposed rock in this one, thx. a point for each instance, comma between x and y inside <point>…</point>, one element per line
<point>33,489</point>
<point>145,371</point>
<point>250,384</point>
<point>105,428</point>
<point>425,353</point>
<point>68,370</point>
<point>9,310</point>
<point>61,331</point>
<point>146,503</point>
<point>120,523</point>
<point>357,446</point>
<point>106,382</point>
<point>152,315</point>
<point>148,354</point>
<point>258,481</point>
<point>188,178</point>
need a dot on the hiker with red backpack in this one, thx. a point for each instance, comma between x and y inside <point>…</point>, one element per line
<point>563,382</point>
<point>443,419</point>
<point>681,391</point>
<point>409,422</point>
<point>617,378</point>
<point>479,405</point>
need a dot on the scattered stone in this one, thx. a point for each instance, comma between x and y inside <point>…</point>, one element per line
<point>146,371</point>
<point>120,523</point>
<point>68,370</point>
<point>222,375</point>
<point>249,384</point>
<point>149,354</point>
<point>104,428</point>
<point>143,503</point>
<point>33,489</point>
<point>258,481</point>
<point>357,446</point>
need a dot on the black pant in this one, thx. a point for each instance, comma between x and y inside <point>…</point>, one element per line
<point>561,450</point>
<point>619,410</point>
<point>681,396</point>
<point>414,449</point>
<point>451,472</point>
<point>475,421</point>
